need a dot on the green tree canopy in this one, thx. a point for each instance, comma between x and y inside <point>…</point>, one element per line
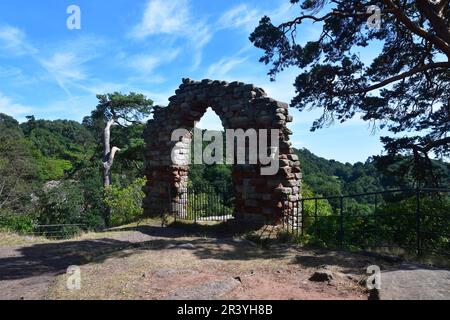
<point>17,166</point>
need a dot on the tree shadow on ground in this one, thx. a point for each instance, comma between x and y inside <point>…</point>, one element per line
<point>47,258</point>
<point>205,242</point>
<point>55,258</point>
<point>226,229</point>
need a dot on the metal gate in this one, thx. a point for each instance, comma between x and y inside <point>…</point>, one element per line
<point>207,203</point>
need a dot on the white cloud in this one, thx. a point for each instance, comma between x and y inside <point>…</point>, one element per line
<point>9,107</point>
<point>15,75</point>
<point>240,16</point>
<point>163,17</point>
<point>75,107</point>
<point>146,64</point>
<point>171,18</point>
<point>221,68</point>
<point>65,65</point>
<point>13,40</point>
<point>174,19</point>
<point>97,86</point>
<point>160,98</point>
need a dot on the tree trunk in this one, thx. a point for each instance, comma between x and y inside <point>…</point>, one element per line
<point>108,160</point>
<point>108,154</point>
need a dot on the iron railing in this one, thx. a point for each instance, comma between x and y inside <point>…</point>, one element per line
<point>205,203</point>
<point>414,220</point>
<point>57,231</point>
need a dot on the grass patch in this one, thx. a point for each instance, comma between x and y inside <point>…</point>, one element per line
<point>11,239</point>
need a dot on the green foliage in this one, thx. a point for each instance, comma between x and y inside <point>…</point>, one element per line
<point>10,125</point>
<point>66,154</point>
<point>52,169</point>
<point>392,224</point>
<point>17,167</point>
<point>59,139</point>
<point>129,162</point>
<point>91,184</point>
<point>211,189</point>
<point>61,203</point>
<point>130,108</point>
<point>208,204</point>
<point>125,202</point>
<point>124,109</point>
<point>397,222</point>
<point>314,210</point>
<point>20,223</point>
<point>332,178</point>
<point>58,146</point>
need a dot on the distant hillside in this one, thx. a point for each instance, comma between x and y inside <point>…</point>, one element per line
<point>330,177</point>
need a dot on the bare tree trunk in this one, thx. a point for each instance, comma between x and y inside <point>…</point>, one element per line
<point>108,161</point>
<point>108,154</point>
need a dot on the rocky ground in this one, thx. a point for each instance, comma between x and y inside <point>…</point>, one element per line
<point>150,262</point>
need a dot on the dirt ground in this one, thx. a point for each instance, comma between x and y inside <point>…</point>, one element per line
<point>151,262</point>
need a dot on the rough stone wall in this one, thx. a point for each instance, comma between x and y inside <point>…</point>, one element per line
<point>239,106</point>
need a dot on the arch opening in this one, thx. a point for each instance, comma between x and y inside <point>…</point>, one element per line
<point>210,191</point>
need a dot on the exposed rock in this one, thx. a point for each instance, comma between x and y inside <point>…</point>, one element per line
<point>415,282</point>
<point>164,273</point>
<point>322,276</point>
<point>187,246</point>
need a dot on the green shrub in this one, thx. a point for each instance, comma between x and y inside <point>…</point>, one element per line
<point>52,169</point>
<point>61,203</point>
<point>17,222</point>
<point>125,203</point>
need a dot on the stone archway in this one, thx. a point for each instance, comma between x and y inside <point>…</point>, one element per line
<point>239,106</point>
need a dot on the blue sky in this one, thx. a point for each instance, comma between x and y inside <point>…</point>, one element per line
<point>147,46</point>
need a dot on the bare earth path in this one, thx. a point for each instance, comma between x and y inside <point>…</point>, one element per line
<point>150,262</point>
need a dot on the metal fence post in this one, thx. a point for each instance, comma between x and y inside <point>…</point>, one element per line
<point>294,224</point>
<point>171,209</point>
<point>303,216</point>
<point>418,224</point>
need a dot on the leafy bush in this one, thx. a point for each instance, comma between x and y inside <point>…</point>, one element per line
<point>125,203</point>
<point>61,203</point>
<point>17,222</point>
<point>91,183</point>
<point>52,169</point>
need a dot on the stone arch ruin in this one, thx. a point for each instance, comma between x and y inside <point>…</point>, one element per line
<point>239,106</point>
